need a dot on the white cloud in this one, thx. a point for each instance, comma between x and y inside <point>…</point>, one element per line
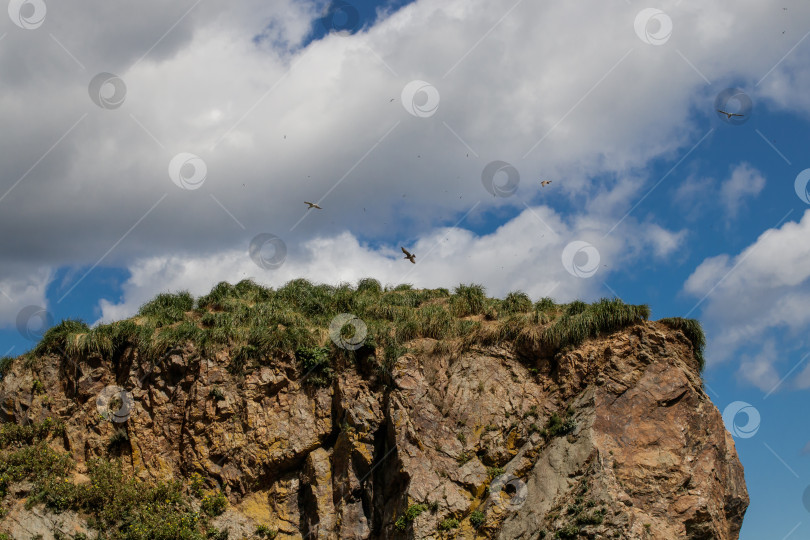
<point>749,297</point>
<point>745,181</point>
<point>18,293</point>
<point>759,370</point>
<point>533,240</point>
<point>563,90</point>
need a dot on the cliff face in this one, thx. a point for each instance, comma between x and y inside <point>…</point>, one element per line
<point>612,439</point>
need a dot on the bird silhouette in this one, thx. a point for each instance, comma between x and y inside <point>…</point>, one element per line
<point>312,205</point>
<point>544,182</point>
<point>728,114</point>
<point>409,255</point>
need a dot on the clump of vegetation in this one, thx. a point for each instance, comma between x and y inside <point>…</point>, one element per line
<point>477,518</point>
<point>449,523</point>
<point>315,362</point>
<point>492,472</point>
<point>214,504</point>
<point>463,458</point>
<point>516,302</point>
<point>585,321</point>
<point>216,394</point>
<point>468,300</point>
<point>568,531</point>
<point>263,531</point>
<point>411,513</point>
<point>5,365</point>
<point>167,308</point>
<point>556,426</point>
<point>693,331</point>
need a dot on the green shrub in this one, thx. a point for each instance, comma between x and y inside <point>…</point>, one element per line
<point>568,531</point>
<point>411,513</point>
<point>436,322</point>
<point>167,308</point>
<point>6,363</point>
<point>404,287</point>
<point>492,472</point>
<point>214,504</point>
<point>516,302</point>
<point>315,362</point>
<point>468,300</point>
<point>574,308</point>
<point>369,286</point>
<point>545,304</point>
<point>693,331</point>
<point>56,340</point>
<point>218,298</point>
<point>477,518</point>
<point>576,326</point>
<point>263,531</point>
<point>556,426</point>
<point>449,523</point>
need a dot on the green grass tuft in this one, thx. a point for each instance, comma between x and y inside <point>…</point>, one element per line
<point>468,300</point>
<point>693,331</point>
<point>516,302</point>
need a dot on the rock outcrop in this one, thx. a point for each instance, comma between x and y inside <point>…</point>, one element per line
<point>612,439</point>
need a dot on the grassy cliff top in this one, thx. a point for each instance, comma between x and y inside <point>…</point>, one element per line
<point>258,324</point>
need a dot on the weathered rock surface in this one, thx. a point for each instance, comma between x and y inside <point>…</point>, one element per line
<point>646,454</point>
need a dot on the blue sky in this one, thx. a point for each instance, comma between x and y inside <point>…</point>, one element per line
<point>688,212</point>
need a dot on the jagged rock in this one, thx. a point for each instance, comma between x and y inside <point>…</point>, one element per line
<point>645,453</point>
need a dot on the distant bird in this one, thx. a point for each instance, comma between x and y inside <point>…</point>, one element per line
<point>392,99</point>
<point>312,205</point>
<point>409,255</point>
<point>728,114</point>
<point>544,182</point>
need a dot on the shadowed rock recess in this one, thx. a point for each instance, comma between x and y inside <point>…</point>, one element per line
<point>420,414</point>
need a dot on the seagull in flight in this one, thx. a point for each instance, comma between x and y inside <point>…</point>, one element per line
<point>409,255</point>
<point>312,205</point>
<point>728,114</point>
<point>544,182</point>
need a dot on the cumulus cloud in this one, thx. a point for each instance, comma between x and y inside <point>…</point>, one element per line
<point>565,91</point>
<point>745,181</point>
<point>761,290</point>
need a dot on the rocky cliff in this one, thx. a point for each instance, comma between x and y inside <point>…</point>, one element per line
<point>422,414</point>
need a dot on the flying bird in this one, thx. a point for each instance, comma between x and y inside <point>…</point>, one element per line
<point>312,205</point>
<point>544,182</point>
<point>409,255</point>
<point>728,114</point>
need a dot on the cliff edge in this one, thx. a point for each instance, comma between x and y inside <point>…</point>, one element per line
<point>369,413</point>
